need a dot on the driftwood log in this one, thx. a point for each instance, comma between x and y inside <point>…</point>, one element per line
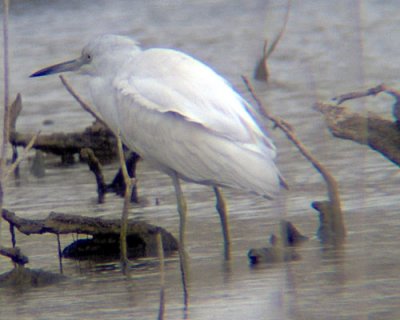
<point>379,134</point>
<point>142,237</point>
<point>95,137</point>
<point>94,145</point>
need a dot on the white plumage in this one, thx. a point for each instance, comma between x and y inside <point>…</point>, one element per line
<point>178,114</point>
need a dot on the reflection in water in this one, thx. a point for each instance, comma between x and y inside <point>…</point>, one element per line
<point>358,281</point>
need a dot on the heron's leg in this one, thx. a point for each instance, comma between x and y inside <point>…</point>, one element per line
<point>182,209</point>
<point>223,214</point>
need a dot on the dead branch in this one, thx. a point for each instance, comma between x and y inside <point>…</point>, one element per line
<point>6,92</point>
<point>118,183</point>
<point>382,88</point>
<point>6,82</point>
<point>337,225</point>
<point>15,255</point>
<point>82,103</point>
<point>95,137</point>
<point>381,135</point>
<point>281,32</point>
<point>161,308</point>
<point>359,94</point>
<point>261,71</point>
<point>95,166</point>
<point>15,110</point>
<point>12,168</point>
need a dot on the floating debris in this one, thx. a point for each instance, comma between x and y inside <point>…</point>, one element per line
<point>272,254</point>
<point>281,248</point>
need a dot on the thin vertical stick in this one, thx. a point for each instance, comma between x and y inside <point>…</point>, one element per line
<point>82,103</point>
<point>162,276</point>
<point>268,51</point>
<point>4,142</point>
<point>12,232</point>
<point>59,253</point>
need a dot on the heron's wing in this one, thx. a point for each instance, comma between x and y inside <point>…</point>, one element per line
<point>165,81</point>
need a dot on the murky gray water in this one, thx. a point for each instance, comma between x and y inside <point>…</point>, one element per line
<point>329,48</point>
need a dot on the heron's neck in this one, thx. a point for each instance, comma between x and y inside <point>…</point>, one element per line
<point>109,64</point>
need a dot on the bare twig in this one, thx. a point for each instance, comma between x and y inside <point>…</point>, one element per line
<point>261,72</point>
<point>332,186</point>
<point>15,110</point>
<point>391,91</point>
<point>373,92</point>
<point>60,264</point>
<point>160,247</point>
<point>15,255</point>
<point>275,42</point>
<point>16,163</point>
<point>6,133</point>
<point>379,134</point>
<point>118,183</point>
<point>6,5</point>
<point>359,94</point>
<point>82,103</point>
<point>95,166</point>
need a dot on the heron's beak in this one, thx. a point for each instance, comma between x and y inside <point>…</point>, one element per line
<point>71,65</point>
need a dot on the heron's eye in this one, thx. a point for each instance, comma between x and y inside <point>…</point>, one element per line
<point>88,57</point>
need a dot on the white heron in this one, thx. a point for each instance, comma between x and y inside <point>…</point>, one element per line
<point>179,115</point>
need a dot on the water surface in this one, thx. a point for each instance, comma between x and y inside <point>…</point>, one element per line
<point>329,48</point>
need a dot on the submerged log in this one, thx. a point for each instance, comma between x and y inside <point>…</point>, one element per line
<point>272,254</point>
<point>24,278</point>
<point>142,237</point>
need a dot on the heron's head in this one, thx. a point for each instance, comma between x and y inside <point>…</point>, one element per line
<point>103,55</point>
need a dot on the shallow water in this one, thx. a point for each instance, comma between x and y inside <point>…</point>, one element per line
<point>328,49</point>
